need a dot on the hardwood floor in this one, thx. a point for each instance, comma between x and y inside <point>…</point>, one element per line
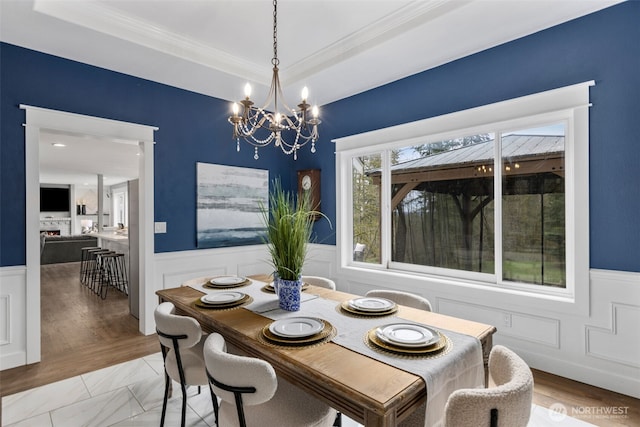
<point>585,402</point>
<point>82,333</point>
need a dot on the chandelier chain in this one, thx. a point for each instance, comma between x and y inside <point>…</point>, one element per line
<point>275,61</point>
<point>261,126</point>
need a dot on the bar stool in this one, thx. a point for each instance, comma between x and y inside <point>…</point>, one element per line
<point>84,261</point>
<point>115,273</point>
<point>98,276</point>
<point>90,264</point>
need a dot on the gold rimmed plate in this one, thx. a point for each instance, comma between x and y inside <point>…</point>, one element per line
<point>371,304</point>
<point>226,282</point>
<point>294,341</point>
<point>433,348</point>
<point>241,301</point>
<point>347,307</point>
<point>269,287</point>
<point>296,327</point>
<point>407,335</point>
<point>222,297</point>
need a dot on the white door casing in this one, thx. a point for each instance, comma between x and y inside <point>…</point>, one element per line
<point>38,119</point>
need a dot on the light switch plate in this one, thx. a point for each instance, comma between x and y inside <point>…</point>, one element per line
<point>160,227</point>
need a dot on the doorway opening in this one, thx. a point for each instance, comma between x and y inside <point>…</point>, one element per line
<point>39,120</point>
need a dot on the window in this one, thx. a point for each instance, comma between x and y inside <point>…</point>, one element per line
<point>366,208</point>
<point>120,208</point>
<point>494,203</point>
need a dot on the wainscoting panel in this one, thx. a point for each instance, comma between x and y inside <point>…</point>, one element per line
<point>13,317</point>
<point>174,268</point>
<point>601,347</point>
<point>536,329</point>
<point>5,322</point>
<point>620,343</point>
<point>612,332</point>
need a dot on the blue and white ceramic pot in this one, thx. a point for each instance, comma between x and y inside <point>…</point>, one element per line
<point>288,293</point>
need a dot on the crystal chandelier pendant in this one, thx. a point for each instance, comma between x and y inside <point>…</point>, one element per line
<point>252,123</point>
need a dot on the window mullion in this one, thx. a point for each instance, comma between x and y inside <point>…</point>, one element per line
<point>497,201</point>
<point>385,209</point>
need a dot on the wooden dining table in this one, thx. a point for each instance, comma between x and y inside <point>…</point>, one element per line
<point>371,392</point>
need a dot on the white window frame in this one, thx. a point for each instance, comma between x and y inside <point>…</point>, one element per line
<point>567,104</point>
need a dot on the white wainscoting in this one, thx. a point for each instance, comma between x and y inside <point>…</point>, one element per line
<point>173,268</point>
<point>13,334</point>
<point>602,348</point>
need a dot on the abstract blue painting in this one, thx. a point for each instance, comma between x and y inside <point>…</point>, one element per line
<point>229,200</point>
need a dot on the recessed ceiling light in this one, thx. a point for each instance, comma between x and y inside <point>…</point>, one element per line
<point>58,144</point>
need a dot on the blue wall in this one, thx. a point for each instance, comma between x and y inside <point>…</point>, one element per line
<point>193,128</point>
<point>603,47</point>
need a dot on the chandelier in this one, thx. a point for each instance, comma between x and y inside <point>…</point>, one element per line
<point>262,126</point>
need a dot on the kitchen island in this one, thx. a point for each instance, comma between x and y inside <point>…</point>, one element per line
<point>119,242</point>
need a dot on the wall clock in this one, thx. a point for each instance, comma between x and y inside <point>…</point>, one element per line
<point>309,181</point>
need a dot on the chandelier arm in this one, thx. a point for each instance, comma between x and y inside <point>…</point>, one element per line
<point>272,119</point>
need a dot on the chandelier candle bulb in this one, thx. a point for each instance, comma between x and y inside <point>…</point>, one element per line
<point>260,126</point>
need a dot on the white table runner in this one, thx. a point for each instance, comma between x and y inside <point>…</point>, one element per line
<point>461,367</point>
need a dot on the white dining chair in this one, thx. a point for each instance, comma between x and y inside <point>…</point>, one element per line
<point>505,403</point>
<point>322,282</point>
<point>251,394</point>
<point>402,298</point>
<point>181,342</point>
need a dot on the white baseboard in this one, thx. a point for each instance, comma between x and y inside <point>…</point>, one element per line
<point>567,368</point>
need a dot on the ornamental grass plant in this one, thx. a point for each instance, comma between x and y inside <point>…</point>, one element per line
<point>289,223</point>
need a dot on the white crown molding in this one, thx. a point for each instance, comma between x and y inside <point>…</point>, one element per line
<point>404,19</point>
<point>109,21</point>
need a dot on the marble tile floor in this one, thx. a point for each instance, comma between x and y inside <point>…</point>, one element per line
<point>130,394</point>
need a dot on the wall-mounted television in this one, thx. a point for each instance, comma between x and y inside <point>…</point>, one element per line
<point>55,199</point>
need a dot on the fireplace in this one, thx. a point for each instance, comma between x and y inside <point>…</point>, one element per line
<point>50,232</point>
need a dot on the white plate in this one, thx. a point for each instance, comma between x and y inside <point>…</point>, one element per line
<point>296,327</point>
<point>406,334</point>
<point>227,280</point>
<point>371,304</point>
<point>222,297</point>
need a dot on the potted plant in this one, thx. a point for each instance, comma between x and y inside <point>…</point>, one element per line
<point>289,224</point>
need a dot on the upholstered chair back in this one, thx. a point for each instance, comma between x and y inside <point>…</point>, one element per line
<point>239,371</point>
<point>322,282</point>
<point>507,401</point>
<point>189,347</point>
<point>172,324</point>
<point>181,342</point>
<point>402,298</point>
